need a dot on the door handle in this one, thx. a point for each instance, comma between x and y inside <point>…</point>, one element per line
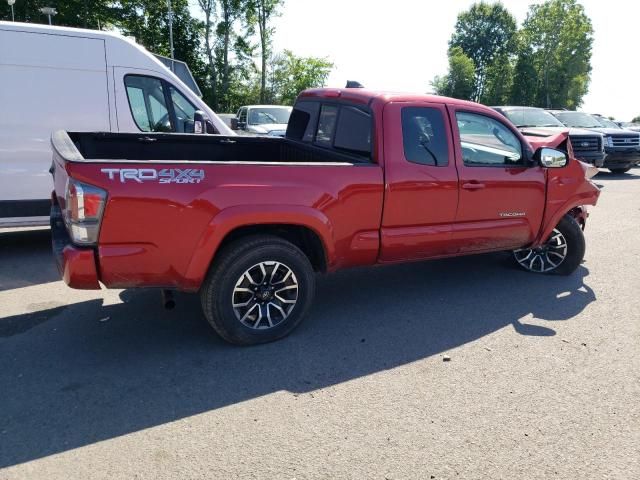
<point>473,185</point>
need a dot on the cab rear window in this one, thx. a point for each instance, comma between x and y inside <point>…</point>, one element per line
<point>344,128</point>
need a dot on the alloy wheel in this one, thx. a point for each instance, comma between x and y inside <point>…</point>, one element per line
<point>265,295</point>
<point>545,258</point>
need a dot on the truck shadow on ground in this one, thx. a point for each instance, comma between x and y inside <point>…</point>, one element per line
<point>35,247</point>
<point>90,372</point>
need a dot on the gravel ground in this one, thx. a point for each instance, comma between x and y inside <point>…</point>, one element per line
<point>543,377</point>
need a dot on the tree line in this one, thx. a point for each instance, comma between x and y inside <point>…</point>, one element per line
<point>545,63</point>
<point>227,44</point>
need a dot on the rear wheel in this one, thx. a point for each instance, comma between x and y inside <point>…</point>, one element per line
<point>619,170</point>
<point>258,290</point>
<point>561,254</point>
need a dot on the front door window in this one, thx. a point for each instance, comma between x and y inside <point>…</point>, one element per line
<point>486,142</point>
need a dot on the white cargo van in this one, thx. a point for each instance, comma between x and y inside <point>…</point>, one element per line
<point>55,78</point>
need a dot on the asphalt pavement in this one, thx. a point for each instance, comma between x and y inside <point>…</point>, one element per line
<point>465,368</point>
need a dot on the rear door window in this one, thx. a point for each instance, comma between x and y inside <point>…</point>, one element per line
<point>424,136</point>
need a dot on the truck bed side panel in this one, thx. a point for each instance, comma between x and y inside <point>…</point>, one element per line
<point>170,231</point>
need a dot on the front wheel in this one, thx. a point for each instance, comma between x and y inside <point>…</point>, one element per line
<point>620,170</point>
<point>258,290</point>
<point>561,254</point>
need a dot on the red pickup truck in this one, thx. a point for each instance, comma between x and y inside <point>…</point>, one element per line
<point>361,178</point>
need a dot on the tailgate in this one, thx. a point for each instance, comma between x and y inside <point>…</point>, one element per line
<point>64,151</point>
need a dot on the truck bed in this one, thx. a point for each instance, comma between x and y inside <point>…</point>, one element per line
<point>210,148</point>
<point>172,199</point>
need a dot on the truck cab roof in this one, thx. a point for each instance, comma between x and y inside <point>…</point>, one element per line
<point>365,96</point>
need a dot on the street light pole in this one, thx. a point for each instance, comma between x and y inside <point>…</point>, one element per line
<point>11,2</point>
<point>49,12</point>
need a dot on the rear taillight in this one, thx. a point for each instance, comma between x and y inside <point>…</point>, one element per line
<point>83,210</point>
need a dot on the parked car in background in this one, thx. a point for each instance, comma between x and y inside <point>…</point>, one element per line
<point>84,80</point>
<point>588,146</point>
<point>630,126</point>
<point>622,147</point>
<point>262,120</point>
<point>361,178</point>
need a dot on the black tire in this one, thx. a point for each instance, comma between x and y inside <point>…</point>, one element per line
<point>217,293</point>
<point>619,170</point>
<point>574,254</point>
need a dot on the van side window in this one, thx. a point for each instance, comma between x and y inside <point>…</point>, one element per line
<point>148,104</point>
<point>424,136</point>
<point>148,97</point>
<point>184,111</point>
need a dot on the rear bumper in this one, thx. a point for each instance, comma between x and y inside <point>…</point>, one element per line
<point>77,265</point>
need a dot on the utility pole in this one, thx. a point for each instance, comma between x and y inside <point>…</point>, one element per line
<point>170,31</point>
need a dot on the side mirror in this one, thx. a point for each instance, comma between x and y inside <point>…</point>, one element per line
<point>551,158</point>
<point>234,124</point>
<point>199,122</point>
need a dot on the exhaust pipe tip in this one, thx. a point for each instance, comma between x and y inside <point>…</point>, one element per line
<point>168,302</point>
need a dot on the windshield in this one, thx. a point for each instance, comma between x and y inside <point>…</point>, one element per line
<point>605,122</point>
<point>262,116</point>
<point>578,120</point>
<point>532,117</point>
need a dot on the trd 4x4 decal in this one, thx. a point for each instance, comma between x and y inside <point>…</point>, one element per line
<point>164,175</point>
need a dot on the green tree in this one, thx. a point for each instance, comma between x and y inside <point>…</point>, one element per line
<point>486,33</point>
<point>208,8</point>
<point>636,119</point>
<point>459,81</point>
<point>70,13</point>
<point>229,10</point>
<point>525,81</point>
<point>292,74</point>
<point>260,13</point>
<point>148,22</point>
<point>560,38</point>
<point>499,82</point>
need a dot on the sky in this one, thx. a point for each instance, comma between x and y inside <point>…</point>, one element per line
<point>401,45</point>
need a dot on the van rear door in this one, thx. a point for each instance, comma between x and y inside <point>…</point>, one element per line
<point>49,82</point>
